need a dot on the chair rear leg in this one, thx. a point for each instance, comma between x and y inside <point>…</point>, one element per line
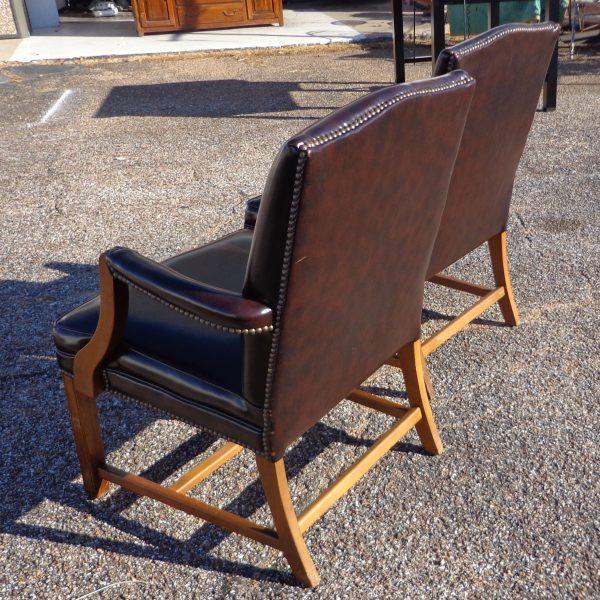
<point>411,363</point>
<point>499,256</point>
<point>88,439</point>
<point>427,379</point>
<point>274,481</point>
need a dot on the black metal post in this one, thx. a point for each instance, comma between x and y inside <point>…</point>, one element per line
<point>398,33</point>
<point>438,41</point>
<point>551,83</point>
<point>494,14</point>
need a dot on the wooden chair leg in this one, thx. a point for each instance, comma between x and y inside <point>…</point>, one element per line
<point>274,481</point>
<point>427,379</point>
<point>88,439</point>
<point>411,362</point>
<point>499,256</point>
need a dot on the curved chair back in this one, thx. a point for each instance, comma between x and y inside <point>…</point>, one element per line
<point>509,64</point>
<point>343,240</point>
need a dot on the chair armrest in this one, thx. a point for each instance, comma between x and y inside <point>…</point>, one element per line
<point>252,207</point>
<point>214,306</point>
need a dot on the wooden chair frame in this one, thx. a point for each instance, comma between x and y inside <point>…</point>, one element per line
<point>287,534</point>
<point>501,294</point>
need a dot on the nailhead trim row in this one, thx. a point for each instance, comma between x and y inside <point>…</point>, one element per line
<point>291,229</point>
<point>481,44</point>
<point>253,331</point>
<point>375,110</point>
<point>287,257</point>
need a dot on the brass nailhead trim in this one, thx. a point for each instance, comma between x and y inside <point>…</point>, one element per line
<point>254,331</point>
<point>287,257</point>
<point>375,110</point>
<point>481,44</point>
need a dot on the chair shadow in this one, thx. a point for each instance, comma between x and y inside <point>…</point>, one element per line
<point>40,456</point>
<point>233,98</point>
<point>36,441</point>
<point>193,552</point>
<point>433,315</point>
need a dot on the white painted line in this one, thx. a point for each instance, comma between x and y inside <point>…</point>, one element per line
<point>54,108</point>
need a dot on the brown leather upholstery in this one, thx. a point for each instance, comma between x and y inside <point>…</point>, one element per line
<point>340,249</point>
<point>336,264</point>
<point>509,64</point>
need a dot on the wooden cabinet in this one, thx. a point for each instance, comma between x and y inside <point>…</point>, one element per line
<point>153,16</point>
<point>262,9</point>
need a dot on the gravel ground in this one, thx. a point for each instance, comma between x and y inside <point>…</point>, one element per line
<point>160,156</point>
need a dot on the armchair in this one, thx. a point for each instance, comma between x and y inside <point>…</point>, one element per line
<point>259,334</point>
<point>509,64</point>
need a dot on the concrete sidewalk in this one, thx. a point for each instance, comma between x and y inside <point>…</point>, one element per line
<point>306,23</point>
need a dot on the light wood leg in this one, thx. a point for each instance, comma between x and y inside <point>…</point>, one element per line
<point>88,439</point>
<point>427,379</point>
<point>274,481</point>
<point>411,362</point>
<point>499,256</point>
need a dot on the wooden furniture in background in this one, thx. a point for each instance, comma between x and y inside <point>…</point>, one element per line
<point>155,16</point>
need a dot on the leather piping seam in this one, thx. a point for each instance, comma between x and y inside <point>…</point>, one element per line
<point>375,110</point>
<point>291,229</point>
<point>287,257</point>
<point>550,26</point>
<point>190,315</point>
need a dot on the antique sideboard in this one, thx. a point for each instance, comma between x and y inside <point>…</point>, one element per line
<point>153,16</point>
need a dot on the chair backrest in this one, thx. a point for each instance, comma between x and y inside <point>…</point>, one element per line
<point>509,64</point>
<point>342,242</point>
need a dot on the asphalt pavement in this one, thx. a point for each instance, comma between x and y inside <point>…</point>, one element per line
<point>160,155</point>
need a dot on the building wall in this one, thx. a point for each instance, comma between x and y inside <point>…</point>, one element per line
<point>7,21</point>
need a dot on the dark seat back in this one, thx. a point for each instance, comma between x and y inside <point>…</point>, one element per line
<point>509,64</point>
<point>342,243</point>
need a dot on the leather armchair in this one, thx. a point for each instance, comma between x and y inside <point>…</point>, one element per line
<point>259,334</point>
<point>509,64</point>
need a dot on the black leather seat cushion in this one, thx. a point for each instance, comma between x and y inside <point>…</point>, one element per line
<point>171,361</point>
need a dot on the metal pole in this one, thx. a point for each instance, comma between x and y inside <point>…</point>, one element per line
<point>398,32</point>
<point>494,14</point>
<point>551,83</point>
<point>437,29</point>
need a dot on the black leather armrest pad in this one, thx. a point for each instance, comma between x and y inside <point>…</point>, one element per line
<point>252,207</point>
<point>215,306</point>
